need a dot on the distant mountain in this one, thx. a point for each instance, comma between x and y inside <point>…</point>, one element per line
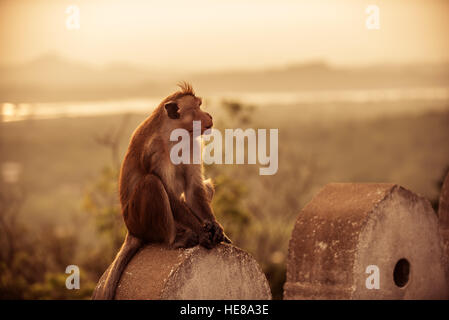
<point>320,76</point>
<point>54,78</point>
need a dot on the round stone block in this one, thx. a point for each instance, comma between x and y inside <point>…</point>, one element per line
<point>366,241</point>
<point>443,214</point>
<point>225,272</point>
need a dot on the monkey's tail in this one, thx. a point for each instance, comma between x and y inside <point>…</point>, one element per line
<point>105,290</point>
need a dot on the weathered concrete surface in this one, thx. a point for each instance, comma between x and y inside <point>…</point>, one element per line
<point>443,216</point>
<point>348,227</point>
<point>225,272</point>
<point>443,211</point>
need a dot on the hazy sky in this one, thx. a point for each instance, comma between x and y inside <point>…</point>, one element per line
<point>208,34</point>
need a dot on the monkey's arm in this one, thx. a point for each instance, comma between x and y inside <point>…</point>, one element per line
<point>198,198</point>
<point>184,215</point>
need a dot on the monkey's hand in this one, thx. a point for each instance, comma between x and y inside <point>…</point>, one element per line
<point>214,231</point>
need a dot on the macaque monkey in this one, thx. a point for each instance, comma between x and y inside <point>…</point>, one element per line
<point>162,202</point>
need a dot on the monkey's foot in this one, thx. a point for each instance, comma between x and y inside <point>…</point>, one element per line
<point>186,239</point>
<point>206,242</point>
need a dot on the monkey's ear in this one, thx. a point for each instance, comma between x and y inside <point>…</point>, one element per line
<point>172,110</point>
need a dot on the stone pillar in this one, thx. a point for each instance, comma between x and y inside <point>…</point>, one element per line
<point>222,273</point>
<point>443,215</point>
<point>443,211</point>
<point>351,235</point>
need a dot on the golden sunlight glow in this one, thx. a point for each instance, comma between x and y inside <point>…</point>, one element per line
<point>8,110</point>
<point>205,35</point>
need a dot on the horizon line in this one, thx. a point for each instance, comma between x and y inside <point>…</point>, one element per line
<point>233,69</point>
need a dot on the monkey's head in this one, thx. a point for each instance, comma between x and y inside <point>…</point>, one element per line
<point>184,108</point>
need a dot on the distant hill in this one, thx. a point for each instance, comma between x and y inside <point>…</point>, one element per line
<point>320,76</point>
<point>54,78</point>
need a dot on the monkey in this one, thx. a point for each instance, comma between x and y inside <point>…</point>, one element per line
<point>162,202</point>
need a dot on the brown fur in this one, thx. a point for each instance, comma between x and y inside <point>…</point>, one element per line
<point>162,202</point>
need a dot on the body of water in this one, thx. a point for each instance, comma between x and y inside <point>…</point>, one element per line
<point>23,111</point>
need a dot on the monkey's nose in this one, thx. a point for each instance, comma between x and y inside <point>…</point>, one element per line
<point>209,115</point>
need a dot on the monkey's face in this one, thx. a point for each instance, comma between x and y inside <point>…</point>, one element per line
<point>187,109</point>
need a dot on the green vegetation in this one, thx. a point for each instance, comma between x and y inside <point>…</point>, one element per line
<point>64,208</point>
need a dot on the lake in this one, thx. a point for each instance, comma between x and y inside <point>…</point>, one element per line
<point>438,96</point>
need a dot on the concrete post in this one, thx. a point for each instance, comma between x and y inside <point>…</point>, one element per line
<point>224,272</point>
<point>366,241</point>
<point>443,215</point>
